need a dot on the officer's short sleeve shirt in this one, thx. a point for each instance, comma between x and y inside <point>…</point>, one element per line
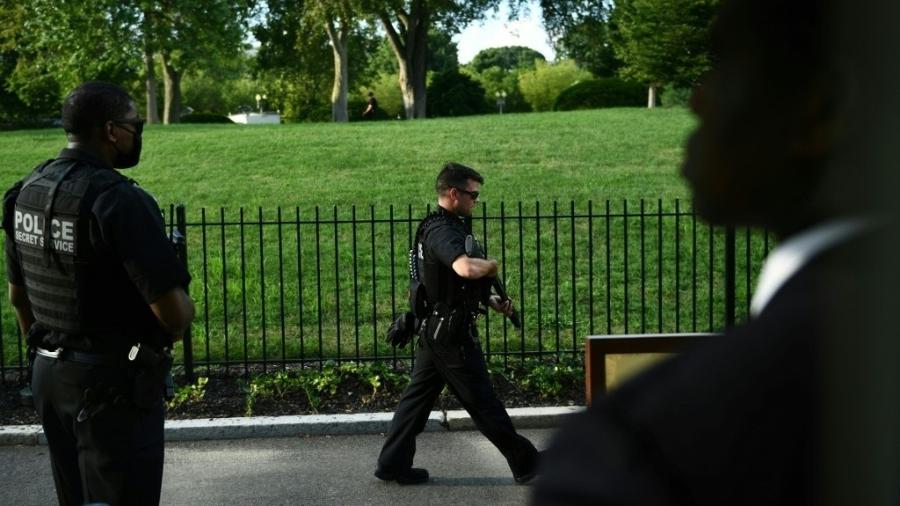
<point>129,225</point>
<point>13,269</point>
<point>447,241</point>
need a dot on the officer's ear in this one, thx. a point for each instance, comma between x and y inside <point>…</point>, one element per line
<point>108,132</point>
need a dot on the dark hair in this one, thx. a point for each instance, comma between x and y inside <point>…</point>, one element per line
<point>91,105</point>
<point>371,93</point>
<point>455,175</point>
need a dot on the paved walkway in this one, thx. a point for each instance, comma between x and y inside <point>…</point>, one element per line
<point>465,468</point>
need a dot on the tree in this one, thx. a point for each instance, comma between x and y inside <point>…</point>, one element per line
<point>507,58</point>
<point>543,85</point>
<point>78,40</point>
<point>455,94</point>
<point>581,31</point>
<point>590,45</point>
<point>41,97</point>
<point>497,69</point>
<point>407,24</point>
<point>442,56</point>
<point>61,44</point>
<point>293,59</point>
<point>496,81</point>
<point>339,20</point>
<point>190,35</point>
<point>663,42</point>
<point>298,60</point>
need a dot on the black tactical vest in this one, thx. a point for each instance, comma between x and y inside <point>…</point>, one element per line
<point>442,284</point>
<point>50,228</point>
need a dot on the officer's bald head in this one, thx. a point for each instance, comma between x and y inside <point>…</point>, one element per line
<point>91,105</point>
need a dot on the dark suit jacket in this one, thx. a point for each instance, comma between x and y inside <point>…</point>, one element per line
<point>733,421</point>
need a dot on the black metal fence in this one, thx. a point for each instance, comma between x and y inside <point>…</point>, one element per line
<point>285,285</point>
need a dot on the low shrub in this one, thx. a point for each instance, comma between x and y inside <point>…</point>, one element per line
<point>675,97</point>
<point>600,93</point>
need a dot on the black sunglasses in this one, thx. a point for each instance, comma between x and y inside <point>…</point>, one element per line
<point>138,124</point>
<point>474,195</point>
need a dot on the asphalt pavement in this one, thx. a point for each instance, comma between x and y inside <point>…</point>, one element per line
<point>466,469</point>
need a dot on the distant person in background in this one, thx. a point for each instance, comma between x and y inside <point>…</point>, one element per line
<point>773,411</point>
<point>371,107</point>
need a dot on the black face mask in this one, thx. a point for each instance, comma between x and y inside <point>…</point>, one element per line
<point>128,160</point>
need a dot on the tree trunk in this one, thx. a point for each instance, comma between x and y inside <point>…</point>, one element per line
<point>406,90</point>
<point>341,86</point>
<point>172,80</point>
<point>411,55</point>
<point>651,96</point>
<point>150,84</point>
<point>419,62</point>
<point>150,70</point>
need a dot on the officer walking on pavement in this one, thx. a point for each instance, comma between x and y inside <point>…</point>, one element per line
<point>100,294</point>
<point>448,351</point>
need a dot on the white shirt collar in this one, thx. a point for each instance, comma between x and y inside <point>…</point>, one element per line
<point>790,256</point>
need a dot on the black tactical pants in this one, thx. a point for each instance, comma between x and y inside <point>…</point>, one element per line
<point>114,456</point>
<point>462,369</point>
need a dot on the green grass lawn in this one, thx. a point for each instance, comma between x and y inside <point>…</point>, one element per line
<point>307,287</point>
<point>614,153</point>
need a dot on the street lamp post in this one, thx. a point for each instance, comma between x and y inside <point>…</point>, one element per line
<point>259,102</point>
<point>501,100</point>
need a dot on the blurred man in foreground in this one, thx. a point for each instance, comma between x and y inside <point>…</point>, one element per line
<point>761,415</point>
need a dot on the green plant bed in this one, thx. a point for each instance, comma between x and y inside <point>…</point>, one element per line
<point>365,387</point>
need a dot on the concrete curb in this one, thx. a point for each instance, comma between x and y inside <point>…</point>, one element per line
<point>289,426</point>
<point>522,418</point>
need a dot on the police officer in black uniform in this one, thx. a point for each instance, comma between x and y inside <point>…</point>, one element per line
<point>100,295</point>
<point>448,351</point>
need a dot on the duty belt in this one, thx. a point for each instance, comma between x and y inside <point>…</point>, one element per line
<point>67,355</point>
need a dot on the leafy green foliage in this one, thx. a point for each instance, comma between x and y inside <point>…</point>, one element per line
<point>386,90</point>
<point>295,63</point>
<point>35,98</point>
<point>673,96</point>
<point>495,80</point>
<point>223,90</point>
<point>550,379</point>
<point>542,86</point>
<point>598,93</point>
<point>318,385</point>
<point>581,30</point>
<point>189,393</point>
<point>507,58</point>
<point>454,94</point>
<point>590,45</point>
<point>663,42</point>
<point>547,378</point>
<point>61,44</point>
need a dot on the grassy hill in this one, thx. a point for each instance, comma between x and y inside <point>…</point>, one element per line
<point>600,154</point>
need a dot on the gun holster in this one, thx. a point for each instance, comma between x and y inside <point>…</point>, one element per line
<point>150,369</point>
<point>418,300</point>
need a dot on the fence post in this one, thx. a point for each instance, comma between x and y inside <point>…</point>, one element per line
<point>180,239</point>
<point>730,277</point>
